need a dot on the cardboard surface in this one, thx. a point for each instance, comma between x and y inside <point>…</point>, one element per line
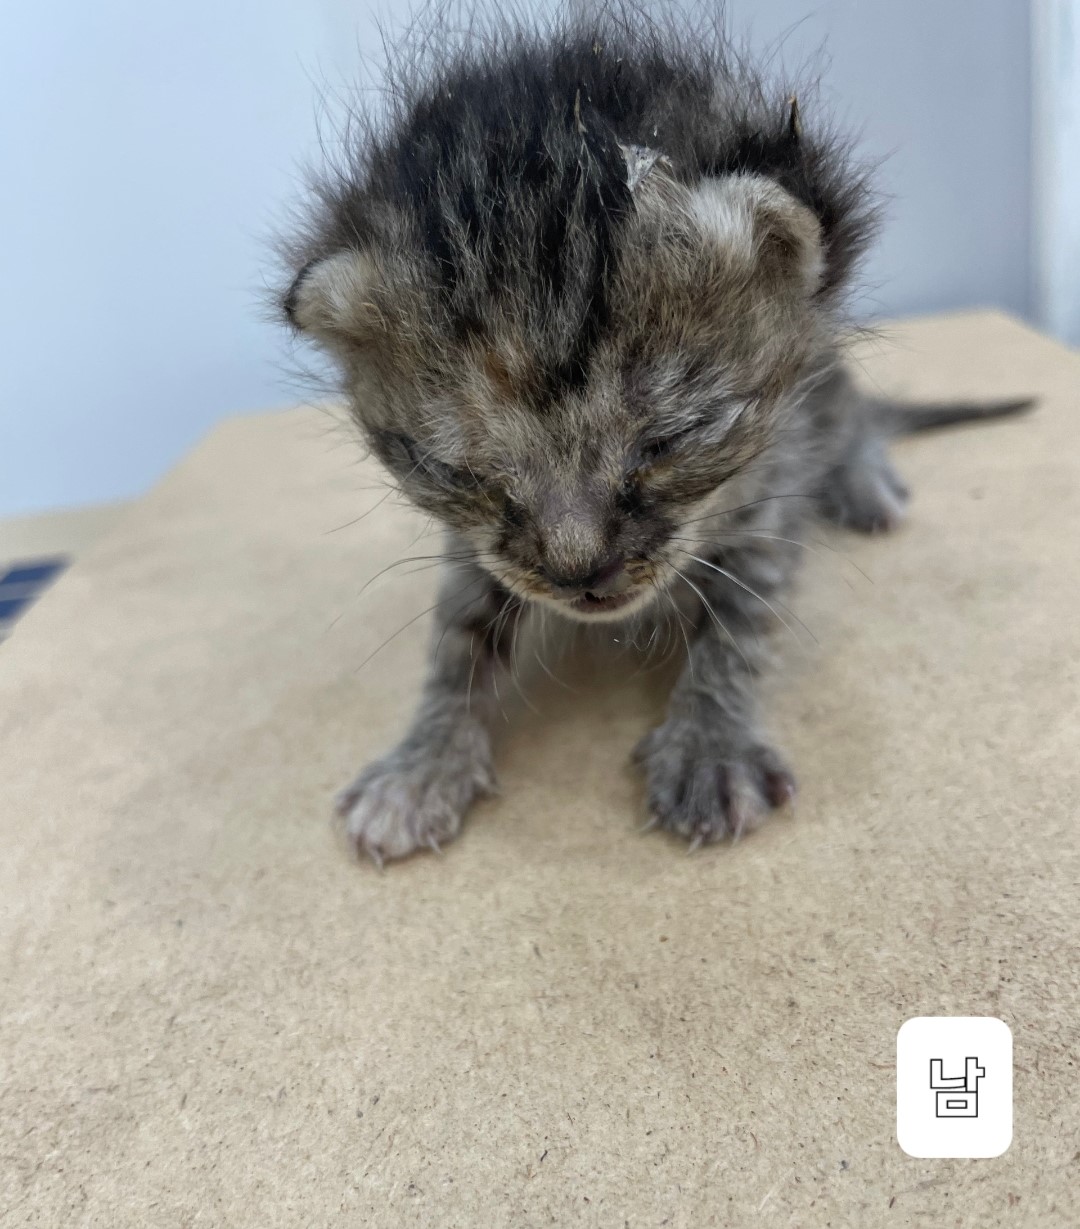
<point>212,1016</point>
<point>70,531</point>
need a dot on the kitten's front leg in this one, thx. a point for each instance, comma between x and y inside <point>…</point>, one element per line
<point>710,772</point>
<point>418,794</point>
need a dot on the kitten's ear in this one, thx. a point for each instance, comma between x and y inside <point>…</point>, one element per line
<point>761,227</point>
<point>331,299</point>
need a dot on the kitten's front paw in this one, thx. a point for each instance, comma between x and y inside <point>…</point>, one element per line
<point>705,786</point>
<point>414,797</point>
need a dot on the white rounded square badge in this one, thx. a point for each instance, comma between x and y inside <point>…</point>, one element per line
<point>954,1077</point>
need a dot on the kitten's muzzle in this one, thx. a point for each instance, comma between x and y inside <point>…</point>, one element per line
<point>606,587</point>
<point>604,580</point>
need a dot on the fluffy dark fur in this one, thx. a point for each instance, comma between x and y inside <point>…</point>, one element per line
<point>584,286</point>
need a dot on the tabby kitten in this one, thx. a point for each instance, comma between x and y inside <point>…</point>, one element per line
<point>584,287</point>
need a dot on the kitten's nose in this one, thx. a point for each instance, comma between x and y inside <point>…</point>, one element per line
<point>603,580</point>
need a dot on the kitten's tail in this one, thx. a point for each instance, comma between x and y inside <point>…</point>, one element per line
<point>902,418</point>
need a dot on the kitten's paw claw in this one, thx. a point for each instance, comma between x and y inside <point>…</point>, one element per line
<point>704,789</point>
<point>411,800</point>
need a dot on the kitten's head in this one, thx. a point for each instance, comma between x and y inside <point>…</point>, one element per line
<point>571,473</point>
<point>565,353</point>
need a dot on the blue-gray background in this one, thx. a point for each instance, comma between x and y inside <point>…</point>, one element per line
<point>147,148</point>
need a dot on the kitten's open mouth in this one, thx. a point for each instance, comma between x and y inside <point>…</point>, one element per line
<point>590,603</point>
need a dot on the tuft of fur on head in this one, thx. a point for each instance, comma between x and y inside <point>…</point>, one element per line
<point>575,280</point>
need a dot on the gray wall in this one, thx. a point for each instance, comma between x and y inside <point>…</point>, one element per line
<point>942,90</point>
<point>1056,166</point>
<point>146,147</point>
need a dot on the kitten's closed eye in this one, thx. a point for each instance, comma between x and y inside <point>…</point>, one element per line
<point>400,450</point>
<point>658,448</point>
<point>513,513</point>
<point>704,433</point>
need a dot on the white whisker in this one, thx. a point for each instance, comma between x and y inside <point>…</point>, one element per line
<point>753,593</point>
<point>716,618</point>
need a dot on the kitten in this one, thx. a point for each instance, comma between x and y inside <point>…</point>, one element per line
<point>585,291</point>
